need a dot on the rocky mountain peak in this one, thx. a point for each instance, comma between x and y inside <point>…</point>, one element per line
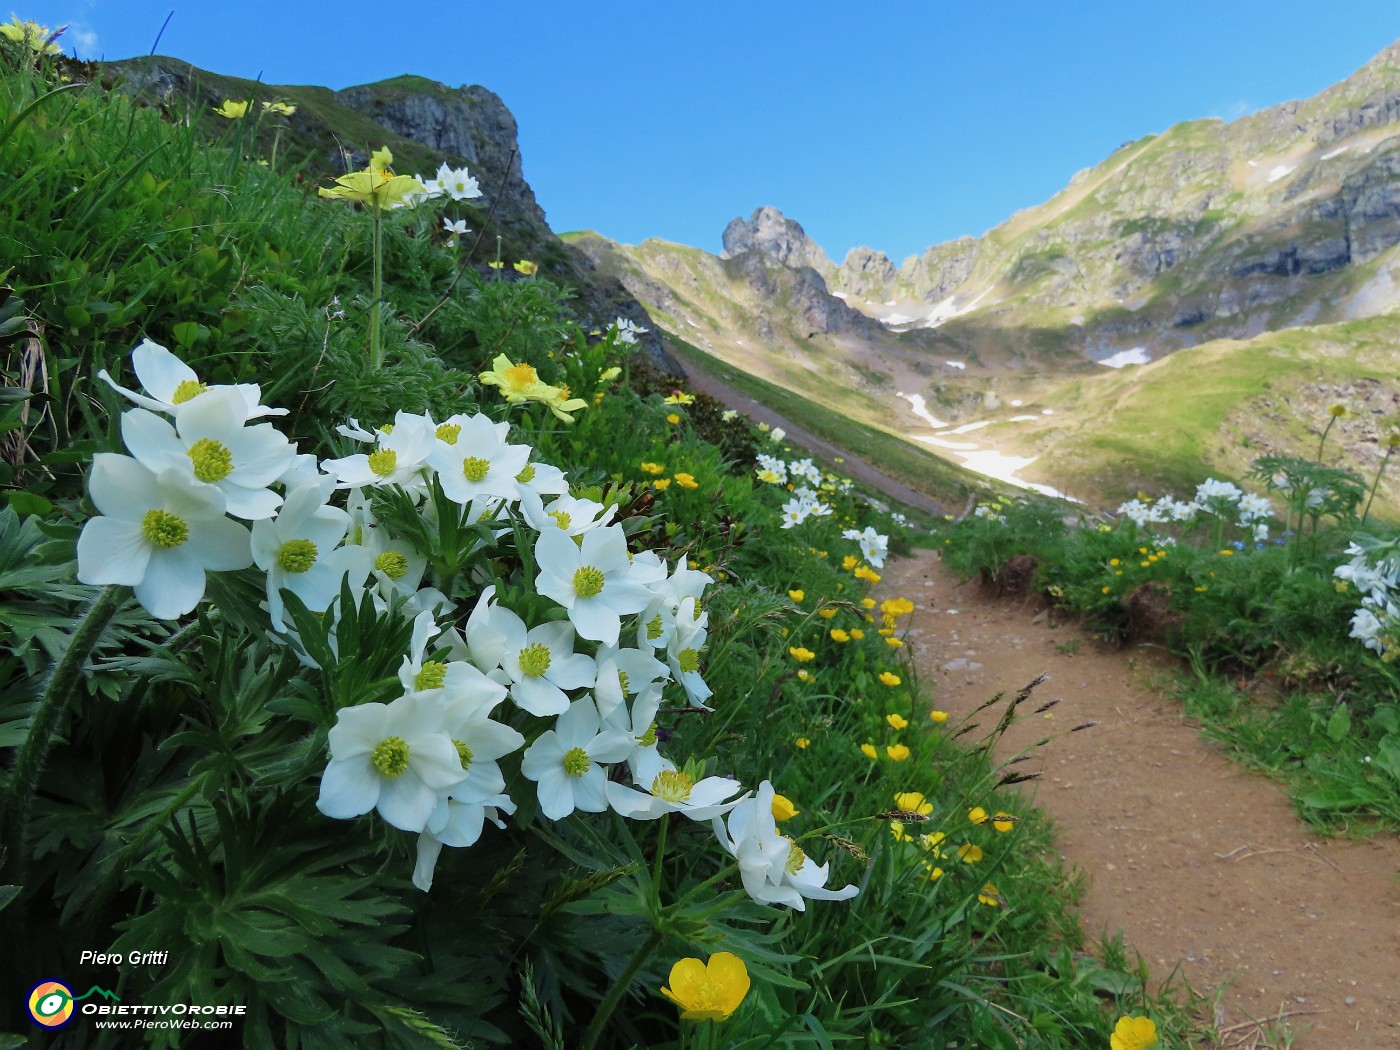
<point>768,231</point>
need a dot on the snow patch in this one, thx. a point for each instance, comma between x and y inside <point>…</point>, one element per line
<point>1280,171</point>
<point>838,295</point>
<point>1136,356</point>
<point>920,407</point>
<point>956,364</point>
<point>1017,403</point>
<point>1047,411</point>
<point>1021,419</point>
<point>1334,152</point>
<point>967,428</point>
<point>997,465</point>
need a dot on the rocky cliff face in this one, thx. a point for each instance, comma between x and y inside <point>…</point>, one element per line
<point>768,231</point>
<point>425,124</point>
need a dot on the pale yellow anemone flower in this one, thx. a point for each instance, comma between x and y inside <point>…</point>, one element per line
<point>378,187</point>
<point>32,35</point>
<point>232,110</point>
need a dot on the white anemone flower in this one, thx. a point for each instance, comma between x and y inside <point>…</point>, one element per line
<point>211,443</point>
<point>565,761</point>
<point>592,580</point>
<point>456,227</point>
<point>170,383</point>
<point>455,823</point>
<point>451,681</point>
<point>542,664</point>
<point>159,533</point>
<point>571,515</point>
<point>773,868</point>
<point>538,480</point>
<point>665,789</point>
<point>395,758</point>
<point>457,183</point>
<point>639,725</point>
<point>683,650</point>
<point>300,551</point>
<point>480,744</point>
<point>399,459</point>
<point>622,672</point>
<point>478,463</point>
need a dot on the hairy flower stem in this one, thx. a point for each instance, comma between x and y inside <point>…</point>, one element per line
<point>376,351</point>
<point>29,764</point>
<point>1376,484</point>
<point>1325,430</point>
<point>619,989</point>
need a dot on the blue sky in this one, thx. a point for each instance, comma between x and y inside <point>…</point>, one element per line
<point>894,125</point>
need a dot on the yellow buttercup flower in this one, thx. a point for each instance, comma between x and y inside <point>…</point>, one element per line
<point>826,614</point>
<point>673,419</point>
<point>896,606</point>
<point>1003,821</point>
<point>897,752</point>
<point>687,481</point>
<point>890,679</point>
<point>838,635</point>
<point>989,896</point>
<point>913,802</point>
<point>938,716</point>
<point>527,267</point>
<point>865,572</point>
<point>868,750</point>
<point>867,603</point>
<point>849,562</point>
<point>709,991</point>
<point>800,654</point>
<point>1133,1033</point>
<point>898,833</point>
<point>279,109</point>
<point>802,743</point>
<point>977,815</point>
<point>662,484</point>
<point>969,853</point>
<point>232,110</point>
<point>857,633</point>
<point>783,809</point>
<point>652,468</point>
<point>894,643</point>
<point>897,721</point>
<point>797,594</point>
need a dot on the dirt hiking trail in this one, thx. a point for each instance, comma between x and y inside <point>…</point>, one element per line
<point>1194,859</point>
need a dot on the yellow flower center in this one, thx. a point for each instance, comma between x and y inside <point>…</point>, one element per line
<point>387,428</point>
<point>534,659</point>
<point>212,460</point>
<point>688,660</point>
<point>392,564</point>
<point>527,475</point>
<point>648,739</point>
<point>561,518</point>
<point>671,785</point>
<point>521,375</point>
<point>432,676</point>
<point>390,757</point>
<point>296,555</point>
<point>163,529</point>
<point>588,582</point>
<point>474,468</point>
<point>383,462</point>
<point>188,389</point>
<point>576,762</point>
<point>654,628</point>
<point>449,432</point>
<point>796,858</point>
<point>464,754</point>
<point>622,682</point>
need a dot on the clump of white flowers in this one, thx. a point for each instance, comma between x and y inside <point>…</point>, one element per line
<point>1374,574</point>
<point>1220,501</point>
<point>566,686</point>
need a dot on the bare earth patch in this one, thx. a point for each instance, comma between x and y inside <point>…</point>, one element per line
<point>1196,860</point>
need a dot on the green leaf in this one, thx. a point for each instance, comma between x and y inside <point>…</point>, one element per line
<point>7,894</point>
<point>26,503</point>
<point>1339,725</point>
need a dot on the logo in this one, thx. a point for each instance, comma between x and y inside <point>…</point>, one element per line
<point>51,1002</point>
